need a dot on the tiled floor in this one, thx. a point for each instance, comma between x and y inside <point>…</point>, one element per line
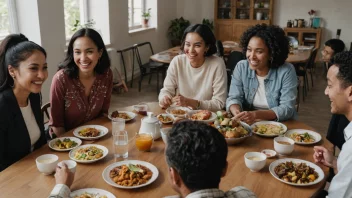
<point>315,111</point>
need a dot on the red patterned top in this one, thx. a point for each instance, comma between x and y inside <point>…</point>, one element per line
<point>69,105</point>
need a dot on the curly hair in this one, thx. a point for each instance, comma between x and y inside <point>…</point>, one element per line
<point>343,61</point>
<point>198,153</point>
<point>69,64</point>
<point>207,35</point>
<point>274,38</point>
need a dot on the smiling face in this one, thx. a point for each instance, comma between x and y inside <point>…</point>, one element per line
<point>327,53</point>
<point>30,74</point>
<point>258,56</point>
<point>195,49</point>
<point>86,55</point>
<point>337,94</point>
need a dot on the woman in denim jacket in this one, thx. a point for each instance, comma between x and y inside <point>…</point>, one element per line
<point>264,84</point>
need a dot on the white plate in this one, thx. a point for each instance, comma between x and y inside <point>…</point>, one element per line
<point>284,128</point>
<point>315,135</point>
<point>312,165</point>
<point>107,170</point>
<point>52,143</point>
<point>167,115</point>
<point>168,110</point>
<point>211,119</point>
<point>95,191</point>
<point>130,114</point>
<point>72,153</point>
<point>103,131</point>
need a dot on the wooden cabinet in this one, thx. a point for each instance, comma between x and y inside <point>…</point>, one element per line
<point>305,36</point>
<point>233,17</point>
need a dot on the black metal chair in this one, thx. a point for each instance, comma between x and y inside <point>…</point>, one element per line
<point>126,50</point>
<point>232,60</point>
<point>311,65</point>
<point>219,49</point>
<point>46,117</point>
<point>147,66</point>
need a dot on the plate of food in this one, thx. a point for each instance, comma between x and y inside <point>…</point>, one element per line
<point>268,128</point>
<point>202,116</point>
<point>126,115</point>
<point>234,132</point>
<point>90,132</point>
<point>178,111</point>
<point>88,153</point>
<point>143,174</point>
<point>296,172</point>
<point>64,143</point>
<point>165,118</point>
<point>91,193</point>
<point>303,136</point>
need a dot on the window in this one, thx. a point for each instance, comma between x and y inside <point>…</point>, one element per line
<point>135,8</point>
<point>8,18</point>
<point>76,16</point>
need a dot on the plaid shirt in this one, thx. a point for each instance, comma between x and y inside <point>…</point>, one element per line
<point>236,192</point>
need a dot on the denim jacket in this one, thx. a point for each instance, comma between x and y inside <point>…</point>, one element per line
<point>280,87</point>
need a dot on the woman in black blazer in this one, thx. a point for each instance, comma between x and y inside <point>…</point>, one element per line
<point>23,69</point>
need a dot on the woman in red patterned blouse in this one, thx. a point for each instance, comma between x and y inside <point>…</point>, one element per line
<point>81,89</point>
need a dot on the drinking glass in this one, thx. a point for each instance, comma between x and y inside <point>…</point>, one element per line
<point>118,124</point>
<point>144,141</point>
<point>120,144</point>
<point>141,108</point>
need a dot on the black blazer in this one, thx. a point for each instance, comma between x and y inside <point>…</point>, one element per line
<point>15,142</point>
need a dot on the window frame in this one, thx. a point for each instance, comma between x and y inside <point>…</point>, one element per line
<point>133,27</point>
<point>13,20</point>
<point>83,16</point>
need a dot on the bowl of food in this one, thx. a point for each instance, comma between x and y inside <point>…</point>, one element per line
<point>47,163</point>
<point>126,115</point>
<point>71,165</point>
<point>166,118</point>
<point>234,132</point>
<point>64,143</point>
<point>255,161</point>
<point>283,145</point>
<point>164,133</point>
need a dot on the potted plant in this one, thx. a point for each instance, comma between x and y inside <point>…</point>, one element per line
<point>146,15</point>
<point>176,29</point>
<point>209,23</point>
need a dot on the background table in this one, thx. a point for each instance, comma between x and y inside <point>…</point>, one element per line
<point>22,179</point>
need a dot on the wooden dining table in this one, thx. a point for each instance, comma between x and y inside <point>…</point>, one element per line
<point>23,179</point>
<point>297,56</point>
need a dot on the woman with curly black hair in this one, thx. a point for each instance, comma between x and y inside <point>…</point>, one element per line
<point>264,86</point>
<point>81,89</point>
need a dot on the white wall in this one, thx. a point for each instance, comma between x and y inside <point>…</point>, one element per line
<point>336,14</point>
<point>195,10</point>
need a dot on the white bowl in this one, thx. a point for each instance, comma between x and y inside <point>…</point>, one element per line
<point>164,133</point>
<point>283,149</point>
<point>47,163</point>
<point>70,164</point>
<point>255,161</point>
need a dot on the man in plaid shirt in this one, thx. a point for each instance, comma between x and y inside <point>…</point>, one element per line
<point>196,155</point>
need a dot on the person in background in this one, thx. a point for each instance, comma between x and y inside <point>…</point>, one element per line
<point>196,79</point>
<point>195,148</point>
<point>331,47</point>
<point>339,91</point>
<point>264,86</point>
<point>23,70</point>
<point>81,89</point>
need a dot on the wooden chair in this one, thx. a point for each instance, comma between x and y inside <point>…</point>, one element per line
<point>130,49</point>
<point>147,66</point>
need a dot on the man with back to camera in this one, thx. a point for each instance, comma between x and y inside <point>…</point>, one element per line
<point>339,91</point>
<point>196,155</point>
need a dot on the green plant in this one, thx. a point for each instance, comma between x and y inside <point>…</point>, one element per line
<point>146,15</point>
<point>90,24</point>
<point>209,23</point>
<point>176,29</point>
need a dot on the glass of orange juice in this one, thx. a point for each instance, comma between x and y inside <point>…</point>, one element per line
<point>144,141</point>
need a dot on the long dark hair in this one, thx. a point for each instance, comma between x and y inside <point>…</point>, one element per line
<point>207,35</point>
<point>69,64</point>
<point>14,49</point>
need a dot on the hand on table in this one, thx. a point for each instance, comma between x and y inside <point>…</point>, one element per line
<point>63,175</point>
<point>248,117</point>
<point>323,156</point>
<point>165,102</point>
